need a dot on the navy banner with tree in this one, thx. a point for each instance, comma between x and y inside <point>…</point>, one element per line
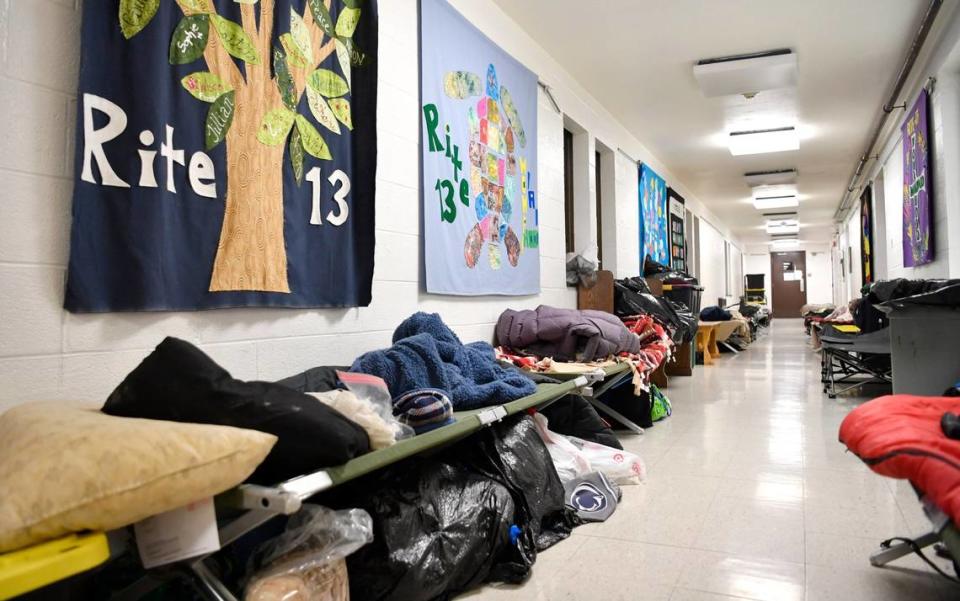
<point>225,156</point>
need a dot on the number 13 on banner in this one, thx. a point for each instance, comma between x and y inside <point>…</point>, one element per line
<point>339,195</point>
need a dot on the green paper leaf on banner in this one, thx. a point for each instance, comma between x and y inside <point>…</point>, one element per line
<point>301,36</point>
<point>328,83</point>
<point>219,119</point>
<point>197,6</point>
<point>189,39</point>
<point>353,3</point>
<point>312,140</point>
<point>357,58</point>
<point>347,22</point>
<point>135,15</point>
<point>275,126</point>
<point>288,90</point>
<point>205,86</point>
<point>322,16</point>
<point>341,108</point>
<point>235,40</point>
<point>292,51</point>
<point>296,155</point>
<point>321,111</point>
<point>512,116</point>
<point>343,57</point>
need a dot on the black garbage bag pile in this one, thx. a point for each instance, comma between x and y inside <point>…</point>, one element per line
<point>475,512</point>
<point>632,296</point>
<point>901,292</point>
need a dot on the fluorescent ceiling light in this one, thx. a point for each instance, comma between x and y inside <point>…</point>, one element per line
<point>775,202</point>
<point>746,74</point>
<point>775,197</point>
<point>760,141</point>
<point>783,226</point>
<point>767,178</point>
<point>784,244</point>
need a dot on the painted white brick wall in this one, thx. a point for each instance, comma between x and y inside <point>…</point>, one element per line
<point>46,353</point>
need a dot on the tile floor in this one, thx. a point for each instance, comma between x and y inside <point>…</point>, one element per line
<point>749,496</point>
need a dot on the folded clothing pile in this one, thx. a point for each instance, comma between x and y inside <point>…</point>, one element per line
<point>178,382</point>
<point>427,354</point>
<point>565,334</point>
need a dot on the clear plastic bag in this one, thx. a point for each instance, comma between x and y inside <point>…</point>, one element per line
<point>574,457</point>
<point>306,562</point>
<point>374,390</point>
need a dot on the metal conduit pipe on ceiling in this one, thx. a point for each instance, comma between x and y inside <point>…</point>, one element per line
<point>918,40</point>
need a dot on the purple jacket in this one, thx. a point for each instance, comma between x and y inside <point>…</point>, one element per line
<point>565,334</point>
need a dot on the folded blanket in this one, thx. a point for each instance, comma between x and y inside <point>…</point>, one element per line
<point>427,354</point>
<point>565,334</point>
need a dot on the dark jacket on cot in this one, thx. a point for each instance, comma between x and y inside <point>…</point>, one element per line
<point>178,382</point>
<point>565,334</point>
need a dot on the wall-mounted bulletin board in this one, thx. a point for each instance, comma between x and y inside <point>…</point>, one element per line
<point>678,241</point>
<point>654,238</point>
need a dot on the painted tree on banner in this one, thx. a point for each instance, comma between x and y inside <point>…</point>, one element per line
<point>255,112</point>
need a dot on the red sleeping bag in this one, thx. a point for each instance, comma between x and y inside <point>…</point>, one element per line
<point>899,436</point>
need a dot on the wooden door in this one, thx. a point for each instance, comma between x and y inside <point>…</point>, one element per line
<point>788,271</point>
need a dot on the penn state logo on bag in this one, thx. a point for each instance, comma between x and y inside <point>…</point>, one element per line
<point>587,497</point>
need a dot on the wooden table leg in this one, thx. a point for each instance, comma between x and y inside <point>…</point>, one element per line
<point>714,350</point>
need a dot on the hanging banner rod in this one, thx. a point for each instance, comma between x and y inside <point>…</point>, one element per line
<point>549,93</point>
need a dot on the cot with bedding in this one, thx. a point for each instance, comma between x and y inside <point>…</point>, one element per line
<point>849,361</point>
<point>902,436</point>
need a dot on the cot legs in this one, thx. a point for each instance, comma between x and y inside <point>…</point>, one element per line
<point>883,556</point>
<point>210,583</point>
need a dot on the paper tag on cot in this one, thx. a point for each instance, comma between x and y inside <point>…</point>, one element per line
<point>179,534</point>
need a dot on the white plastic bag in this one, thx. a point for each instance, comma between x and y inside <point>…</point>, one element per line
<point>574,457</point>
<point>373,390</point>
<point>307,560</point>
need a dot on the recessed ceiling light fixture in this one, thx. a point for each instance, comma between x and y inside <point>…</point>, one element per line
<point>747,74</point>
<point>785,244</point>
<point>783,226</point>
<point>775,197</point>
<point>760,141</point>
<point>769,178</point>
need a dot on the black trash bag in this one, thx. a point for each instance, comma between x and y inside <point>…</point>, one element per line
<point>572,415</point>
<point>179,382</point>
<point>478,511</point>
<point>636,408</point>
<point>899,293</point>
<point>651,267</point>
<point>631,296</point>
<point>688,321</point>
<point>513,454</point>
<point>438,530</point>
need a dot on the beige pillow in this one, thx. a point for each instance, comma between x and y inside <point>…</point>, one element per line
<point>64,469</point>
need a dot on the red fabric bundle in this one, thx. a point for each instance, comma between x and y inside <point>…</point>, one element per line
<point>899,436</point>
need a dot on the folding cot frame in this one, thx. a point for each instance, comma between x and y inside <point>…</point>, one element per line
<point>611,376</point>
<point>252,505</point>
<point>943,531</point>
<point>843,361</point>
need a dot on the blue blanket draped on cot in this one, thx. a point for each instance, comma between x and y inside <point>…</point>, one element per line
<point>427,354</point>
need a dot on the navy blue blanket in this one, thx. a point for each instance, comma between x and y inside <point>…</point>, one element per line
<point>427,354</point>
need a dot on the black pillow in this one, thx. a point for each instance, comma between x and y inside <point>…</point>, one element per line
<point>178,382</point>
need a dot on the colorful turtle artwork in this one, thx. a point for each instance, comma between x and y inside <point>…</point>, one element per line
<point>497,179</point>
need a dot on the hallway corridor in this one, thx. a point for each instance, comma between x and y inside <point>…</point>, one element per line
<point>748,495</point>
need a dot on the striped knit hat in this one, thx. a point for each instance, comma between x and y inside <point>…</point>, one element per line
<point>423,409</point>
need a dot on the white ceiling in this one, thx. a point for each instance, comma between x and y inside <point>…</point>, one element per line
<point>636,57</point>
